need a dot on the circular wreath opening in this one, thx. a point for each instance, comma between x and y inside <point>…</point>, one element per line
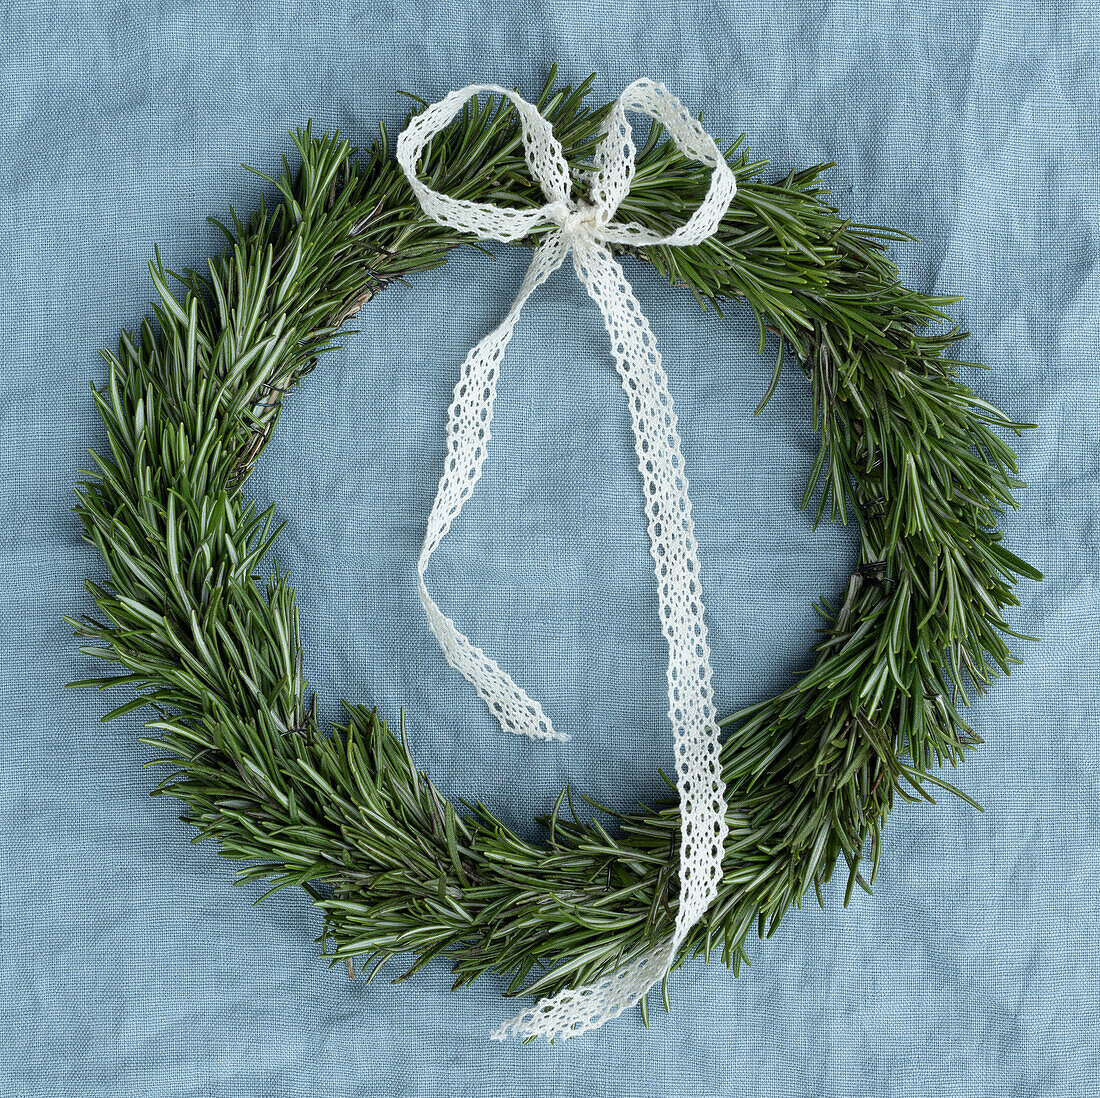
<point>907,450</point>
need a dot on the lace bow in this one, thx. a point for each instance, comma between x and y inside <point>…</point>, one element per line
<point>585,230</point>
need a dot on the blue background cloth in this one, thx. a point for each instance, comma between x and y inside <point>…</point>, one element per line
<point>130,966</point>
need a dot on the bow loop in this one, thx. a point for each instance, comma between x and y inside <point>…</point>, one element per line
<point>488,221</point>
<point>646,97</point>
<point>585,228</point>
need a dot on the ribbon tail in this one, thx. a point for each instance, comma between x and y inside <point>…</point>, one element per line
<point>468,433</point>
<point>703,826</point>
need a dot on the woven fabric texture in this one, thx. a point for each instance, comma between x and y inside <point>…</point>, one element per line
<point>130,966</point>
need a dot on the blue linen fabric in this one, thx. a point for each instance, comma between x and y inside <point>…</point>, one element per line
<point>130,966</point>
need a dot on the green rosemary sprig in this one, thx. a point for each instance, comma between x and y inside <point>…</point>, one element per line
<point>906,449</point>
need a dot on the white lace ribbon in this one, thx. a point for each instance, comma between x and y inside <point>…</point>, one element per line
<point>587,229</point>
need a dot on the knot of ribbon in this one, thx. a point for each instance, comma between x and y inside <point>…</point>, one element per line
<point>586,229</point>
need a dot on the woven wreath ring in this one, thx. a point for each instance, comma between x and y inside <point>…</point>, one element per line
<point>810,775</point>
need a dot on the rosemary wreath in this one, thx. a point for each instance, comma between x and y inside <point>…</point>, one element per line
<point>905,448</point>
